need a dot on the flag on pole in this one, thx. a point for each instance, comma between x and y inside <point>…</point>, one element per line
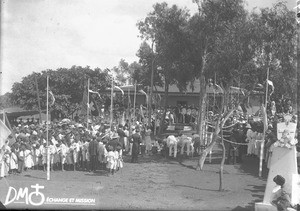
<point>93,106</point>
<point>119,89</point>
<point>52,97</point>
<point>270,83</point>
<point>94,92</point>
<point>4,133</point>
<point>143,92</point>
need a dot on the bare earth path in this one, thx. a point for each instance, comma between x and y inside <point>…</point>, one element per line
<point>154,183</point>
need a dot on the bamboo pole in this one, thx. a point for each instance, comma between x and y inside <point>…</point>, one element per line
<point>134,100</point>
<point>111,103</point>
<point>47,132</point>
<point>88,104</point>
<point>38,97</point>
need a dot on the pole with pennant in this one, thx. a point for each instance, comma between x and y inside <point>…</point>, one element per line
<point>134,99</point>
<point>265,124</point>
<point>88,104</point>
<point>111,103</point>
<point>38,98</point>
<point>47,132</point>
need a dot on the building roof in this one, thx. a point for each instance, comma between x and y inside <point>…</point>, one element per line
<point>17,112</point>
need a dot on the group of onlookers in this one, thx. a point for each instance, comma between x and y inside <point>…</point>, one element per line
<point>72,146</point>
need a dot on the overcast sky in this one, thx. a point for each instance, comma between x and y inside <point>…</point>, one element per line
<point>48,34</point>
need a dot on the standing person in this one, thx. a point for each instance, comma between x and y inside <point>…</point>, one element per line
<point>85,158</point>
<point>44,155</point>
<point>101,153</point>
<point>136,139</point>
<point>28,158</point>
<point>76,148</point>
<point>119,154</point>
<point>122,136</point>
<point>13,161</point>
<point>93,151</point>
<point>21,158</point>
<point>127,145</point>
<point>148,140</point>
<point>111,159</point>
<point>251,136</point>
<point>63,154</point>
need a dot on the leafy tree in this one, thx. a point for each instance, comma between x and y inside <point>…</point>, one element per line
<point>274,31</point>
<point>165,28</point>
<point>67,85</point>
<point>5,101</point>
<point>122,72</point>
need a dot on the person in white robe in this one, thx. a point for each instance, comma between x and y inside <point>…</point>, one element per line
<point>111,160</point>
<point>13,161</point>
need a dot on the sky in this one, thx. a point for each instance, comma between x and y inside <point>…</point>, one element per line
<point>37,35</point>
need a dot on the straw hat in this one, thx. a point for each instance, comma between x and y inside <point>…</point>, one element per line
<point>248,126</point>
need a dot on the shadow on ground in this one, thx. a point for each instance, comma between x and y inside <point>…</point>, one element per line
<point>250,166</point>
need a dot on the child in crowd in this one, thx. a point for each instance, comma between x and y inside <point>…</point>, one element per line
<point>111,160</point>
<point>13,161</point>
<point>119,154</point>
<point>280,198</point>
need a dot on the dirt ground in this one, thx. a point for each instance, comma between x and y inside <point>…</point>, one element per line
<point>153,183</point>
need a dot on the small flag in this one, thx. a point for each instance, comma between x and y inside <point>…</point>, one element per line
<point>119,89</point>
<point>91,91</point>
<point>93,107</point>
<point>53,98</point>
<point>4,133</point>
<point>272,86</point>
<point>143,92</point>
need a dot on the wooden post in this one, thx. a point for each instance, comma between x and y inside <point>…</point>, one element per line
<point>134,100</point>
<point>111,103</point>
<point>88,104</point>
<point>38,97</point>
<point>47,131</point>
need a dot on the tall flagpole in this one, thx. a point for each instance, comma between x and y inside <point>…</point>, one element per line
<point>267,84</point>
<point>111,103</point>
<point>264,133</point>
<point>134,99</point>
<point>47,132</point>
<point>88,104</point>
<point>38,97</point>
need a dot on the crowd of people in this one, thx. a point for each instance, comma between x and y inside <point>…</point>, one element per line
<point>72,147</point>
<point>75,146</point>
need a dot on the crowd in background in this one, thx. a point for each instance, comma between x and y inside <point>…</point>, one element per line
<point>73,147</point>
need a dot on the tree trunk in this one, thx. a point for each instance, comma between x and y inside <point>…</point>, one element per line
<point>208,148</point>
<point>162,119</point>
<point>222,162</point>
<point>219,125</point>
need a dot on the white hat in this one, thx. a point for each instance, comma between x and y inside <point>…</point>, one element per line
<point>34,133</point>
<point>79,125</point>
<point>248,126</point>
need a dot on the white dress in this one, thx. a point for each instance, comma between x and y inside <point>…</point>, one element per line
<point>13,161</point>
<point>111,160</point>
<point>28,159</point>
<point>251,142</point>
<point>120,162</point>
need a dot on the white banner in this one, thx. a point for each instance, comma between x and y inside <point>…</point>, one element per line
<point>4,133</point>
